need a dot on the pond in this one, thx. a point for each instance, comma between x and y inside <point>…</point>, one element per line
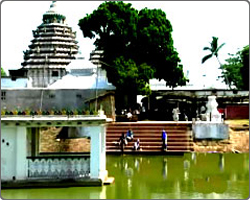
<point>188,176</point>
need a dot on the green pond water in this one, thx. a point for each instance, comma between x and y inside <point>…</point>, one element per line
<point>188,176</point>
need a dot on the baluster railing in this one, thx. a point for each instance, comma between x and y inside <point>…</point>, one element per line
<point>59,167</point>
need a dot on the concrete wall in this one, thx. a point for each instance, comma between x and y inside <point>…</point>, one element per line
<point>49,144</point>
<point>50,99</point>
<point>237,112</point>
<point>210,130</point>
<point>13,153</point>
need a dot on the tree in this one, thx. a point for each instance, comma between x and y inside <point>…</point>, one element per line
<point>138,43</point>
<point>128,75</point>
<point>245,68</point>
<point>3,72</point>
<point>232,71</point>
<point>154,45</point>
<point>214,49</point>
<point>237,69</point>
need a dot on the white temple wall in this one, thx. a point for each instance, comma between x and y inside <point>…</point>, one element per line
<point>43,78</point>
<point>13,153</point>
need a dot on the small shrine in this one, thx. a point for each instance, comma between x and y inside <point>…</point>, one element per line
<point>214,127</point>
<point>25,164</point>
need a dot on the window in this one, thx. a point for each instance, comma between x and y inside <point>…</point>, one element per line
<point>3,95</point>
<point>79,96</point>
<point>55,73</point>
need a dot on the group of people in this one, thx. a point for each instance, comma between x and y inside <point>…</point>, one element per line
<point>176,114</point>
<point>124,139</point>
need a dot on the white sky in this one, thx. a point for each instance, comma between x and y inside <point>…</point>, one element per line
<point>194,23</point>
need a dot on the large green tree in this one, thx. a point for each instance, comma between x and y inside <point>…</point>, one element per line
<point>237,69</point>
<point>137,46</point>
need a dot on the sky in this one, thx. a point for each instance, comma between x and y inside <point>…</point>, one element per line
<point>194,23</point>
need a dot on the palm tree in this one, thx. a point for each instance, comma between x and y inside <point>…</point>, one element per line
<point>214,49</point>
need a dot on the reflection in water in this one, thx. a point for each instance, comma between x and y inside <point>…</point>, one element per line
<point>129,187</point>
<point>190,176</point>
<point>103,193</point>
<point>165,168</point>
<point>221,162</point>
<point>186,166</point>
<point>137,164</point>
<point>211,184</point>
<point>193,157</point>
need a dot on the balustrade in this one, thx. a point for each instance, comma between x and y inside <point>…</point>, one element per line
<point>59,167</point>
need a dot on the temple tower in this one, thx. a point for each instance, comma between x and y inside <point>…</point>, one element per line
<point>51,50</point>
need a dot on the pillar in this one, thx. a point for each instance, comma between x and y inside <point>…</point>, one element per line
<point>98,152</point>
<point>21,153</point>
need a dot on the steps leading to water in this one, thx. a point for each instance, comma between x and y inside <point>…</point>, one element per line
<point>179,136</point>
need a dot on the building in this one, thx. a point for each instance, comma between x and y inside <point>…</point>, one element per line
<point>52,49</point>
<point>53,77</point>
<point>24,164</point>
<point>74,91</point>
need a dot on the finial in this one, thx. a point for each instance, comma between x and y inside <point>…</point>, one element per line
<point>53,4</point>
<point>52,7</point>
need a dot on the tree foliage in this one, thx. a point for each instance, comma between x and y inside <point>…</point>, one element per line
<point>237,69</point>
<point>137,45</point>
<point>214,49</point>
<point>130,74</point>
<point>245,68</point>
<point>3,72</point>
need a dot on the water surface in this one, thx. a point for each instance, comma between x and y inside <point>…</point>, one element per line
<point>188,176</point>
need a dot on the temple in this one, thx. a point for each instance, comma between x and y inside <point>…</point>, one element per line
<point>52,49</point>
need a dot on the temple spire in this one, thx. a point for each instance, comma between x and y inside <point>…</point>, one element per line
<point>51,50</point>
<point>52,15</point>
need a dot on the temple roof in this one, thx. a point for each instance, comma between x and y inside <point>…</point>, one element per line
<point>82,75</point>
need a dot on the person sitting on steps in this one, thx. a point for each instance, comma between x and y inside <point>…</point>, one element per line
<point>129,135</point>
<point>137,145</point>
<point>122,141</point>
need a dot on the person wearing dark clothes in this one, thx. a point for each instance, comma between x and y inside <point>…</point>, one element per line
<point>122,141</point>
<point>164,140</point>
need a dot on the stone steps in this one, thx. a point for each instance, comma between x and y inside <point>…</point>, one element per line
<point>149,133</point>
